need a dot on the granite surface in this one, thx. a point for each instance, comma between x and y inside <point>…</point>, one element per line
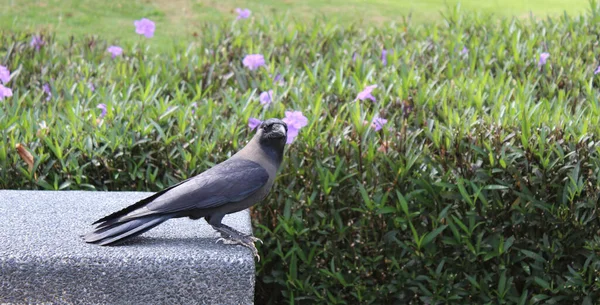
<point>44,260</point>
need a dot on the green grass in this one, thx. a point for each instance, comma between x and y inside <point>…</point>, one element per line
<point>180,20</point>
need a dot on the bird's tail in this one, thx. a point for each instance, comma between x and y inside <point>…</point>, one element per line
<point>112,232</point>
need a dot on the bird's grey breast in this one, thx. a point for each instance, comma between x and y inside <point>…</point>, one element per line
<point>271,168</point>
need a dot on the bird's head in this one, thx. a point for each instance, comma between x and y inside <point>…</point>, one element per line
<point>272,133</point>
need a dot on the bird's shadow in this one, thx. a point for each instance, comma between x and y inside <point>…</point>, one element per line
<point>170,242</point>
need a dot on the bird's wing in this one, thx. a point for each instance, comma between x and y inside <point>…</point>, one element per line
<point>230,181</point>
<point>138,205</point>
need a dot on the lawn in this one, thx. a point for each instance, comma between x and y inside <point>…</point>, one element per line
<point>179,20</point>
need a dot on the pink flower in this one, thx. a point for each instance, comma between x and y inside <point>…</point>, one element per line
<point>37,42</point>
<point>4,74</point>
<point>378,123</point>
<point>103,107</point>
<point>253,123</point>
<point>5,92</point>
<point>253,61</point>
<point>115,51</point>
<point>47,91</point>
<point>295,120</point>
<point>543,58</point>
<point>242,13</point>
<point>144,27</point>
<point>266,98</point>
<point>366,93</point>
<point>291,135</point>
<point>278,79</point>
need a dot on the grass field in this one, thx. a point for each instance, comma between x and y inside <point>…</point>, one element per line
<point>180,20</point>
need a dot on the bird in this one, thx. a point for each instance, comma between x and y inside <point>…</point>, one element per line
<point>233,185</point>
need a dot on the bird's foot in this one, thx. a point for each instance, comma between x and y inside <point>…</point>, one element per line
<point>246,241</point>
<point>254,239</point>
<point>230,236</point>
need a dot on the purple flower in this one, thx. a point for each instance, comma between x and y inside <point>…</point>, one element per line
<point>378,123</point>
<point>5,92</point>
<point>242,13</point>
<point>4,74</point>
<point>278,80</point>
<point>253,123</point>
<point>47,91</point>
<point>194,106</point>
<point>464,51</point>
<point>103,107</point>
<point>295,120</point>
<point>144,27</point>
<point>543,58</point>
<point>291,135</point>
<point>354,56</point>
<point>91,86</point>
<point>384,57</point>
<point>254,61</point>
<point>37,42</point>
<point>266,97</point>
<point>115,51</point>
<point>597,70</point>
<point>366,93</point>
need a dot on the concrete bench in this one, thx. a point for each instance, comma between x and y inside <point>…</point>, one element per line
<point>44,260</point>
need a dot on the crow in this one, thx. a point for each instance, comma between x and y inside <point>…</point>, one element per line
<point>233,185</point>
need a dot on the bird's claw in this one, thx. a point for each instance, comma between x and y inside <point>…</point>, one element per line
<point>255,239</point>
<point>252,247</point>
<point>246,241</point>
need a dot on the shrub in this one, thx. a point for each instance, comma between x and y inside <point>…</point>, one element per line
<point>482,187</point>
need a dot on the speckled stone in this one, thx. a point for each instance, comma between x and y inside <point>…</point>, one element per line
<point>44,260</point>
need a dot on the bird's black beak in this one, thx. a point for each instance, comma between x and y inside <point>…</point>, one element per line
<point>278,130</point>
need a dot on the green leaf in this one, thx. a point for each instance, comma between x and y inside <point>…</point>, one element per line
<point>403,203</point>
<point>533,255</point>
<point>365,197</point>
<point>293,267</point>
<point>433,234</point>
<point>541,282</point>
<point>464,193</point>
<point>495,187</point>
<point>507,244</point>
<point>386,210</point>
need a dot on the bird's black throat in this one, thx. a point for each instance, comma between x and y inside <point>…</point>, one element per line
<point>273,147</point>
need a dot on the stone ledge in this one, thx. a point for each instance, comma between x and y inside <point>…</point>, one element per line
<point>44,260</point>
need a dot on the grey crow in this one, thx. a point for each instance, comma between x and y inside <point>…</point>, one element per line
<point>228,187</point>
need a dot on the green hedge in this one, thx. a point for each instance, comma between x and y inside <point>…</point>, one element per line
<point>482,188</point>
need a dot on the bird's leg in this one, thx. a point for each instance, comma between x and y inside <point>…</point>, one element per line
<point>233,237</point>
<point>254,239</point>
